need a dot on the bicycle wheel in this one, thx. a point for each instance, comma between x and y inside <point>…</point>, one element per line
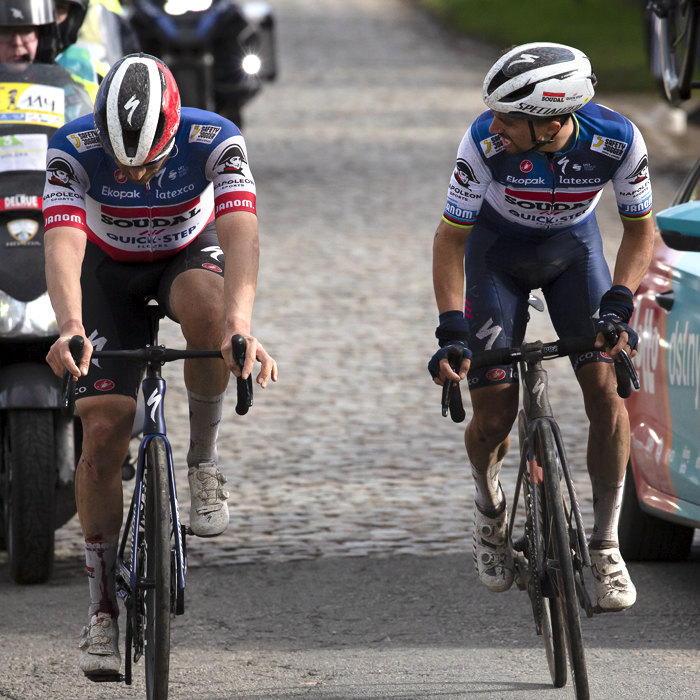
<point>158,526</point>
<point>676,40</point>
<point>556,536</point>
<point>547,611</point>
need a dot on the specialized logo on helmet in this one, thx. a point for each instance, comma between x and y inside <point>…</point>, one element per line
<point>640,173</point>
<point>131,106</point>
<point>231,160</point>
<point>545,56</point>
<point>464,174</point>
<point>16,14</point>
<point>61,173</point>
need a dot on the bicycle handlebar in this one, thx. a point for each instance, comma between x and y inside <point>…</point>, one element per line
<point>452,397</point>
<point>160,354</point>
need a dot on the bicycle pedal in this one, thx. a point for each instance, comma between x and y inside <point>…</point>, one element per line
<point>105,677</point>
<point>598,610</point>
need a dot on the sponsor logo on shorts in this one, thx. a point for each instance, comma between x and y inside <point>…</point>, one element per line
<point>608,147</point>
<point>526,166</point>
<point>495,375</point>
<point>104,385</point>
<point>119,176</point>
<point>203,133</point>
<point>212,267</point>
<point>84,140</point>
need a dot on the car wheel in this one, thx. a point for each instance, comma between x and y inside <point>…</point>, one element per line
<point>646,538</point>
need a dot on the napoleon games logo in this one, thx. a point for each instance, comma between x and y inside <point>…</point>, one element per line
<point>231,160</point>
<point>464,174</point>
<point>526,166</point>
<point>640,173</point>
<point>119,176</point>
<point>61,173</point>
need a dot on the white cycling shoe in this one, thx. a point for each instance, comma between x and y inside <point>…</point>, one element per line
<point>492,557</point>
<point>208,509</point>
<point>613,586</point>
<point>99,646</point>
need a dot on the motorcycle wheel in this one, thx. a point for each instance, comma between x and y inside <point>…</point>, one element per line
<point>29,493</point>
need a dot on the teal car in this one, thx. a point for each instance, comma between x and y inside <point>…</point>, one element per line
<point>661,501</point>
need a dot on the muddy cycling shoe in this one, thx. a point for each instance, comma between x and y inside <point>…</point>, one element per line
<point>613,586</point>
<point>492,557</point>
<point>208,510</point>
<point>99,646</point>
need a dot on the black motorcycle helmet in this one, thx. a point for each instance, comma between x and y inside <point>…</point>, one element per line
<point>38,13</point>
<point>69,28</point>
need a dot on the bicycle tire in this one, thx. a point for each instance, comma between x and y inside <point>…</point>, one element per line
<point>677,45</point>
<point>158,529</point>
<point>547,612</point>
<point>564,577</point>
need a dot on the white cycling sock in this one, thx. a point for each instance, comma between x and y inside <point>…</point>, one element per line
<point>487,494</point>
<point>607,499</point>
<point>205,417</point>
<point>101,562</point>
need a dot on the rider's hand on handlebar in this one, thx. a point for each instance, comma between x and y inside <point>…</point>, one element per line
<point>254,351</point>
<point>616,308</point>
<point>623,343</point>
<point>60,359</point>
<point>453,330</point>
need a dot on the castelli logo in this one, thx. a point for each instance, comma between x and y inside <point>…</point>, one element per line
<point>210,266</point>
<point>605,355</point>
<point>495,375</point>
<point>526,166</point>
<point>104,385</point>
<point>121,178</point>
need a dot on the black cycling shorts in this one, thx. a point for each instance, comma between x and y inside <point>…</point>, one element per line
<point>114,307</point>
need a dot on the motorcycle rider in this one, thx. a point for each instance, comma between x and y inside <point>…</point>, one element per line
<point>70,15</point>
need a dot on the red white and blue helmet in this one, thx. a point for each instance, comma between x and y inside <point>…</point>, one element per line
<point>137,110</point>
<point>539,80</point>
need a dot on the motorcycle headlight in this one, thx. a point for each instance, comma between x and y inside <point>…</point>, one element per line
<point>21,319</point>
<point>251,64</point>
<point>179,7</point>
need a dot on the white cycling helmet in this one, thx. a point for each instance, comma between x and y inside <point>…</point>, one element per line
<point>539,80</point>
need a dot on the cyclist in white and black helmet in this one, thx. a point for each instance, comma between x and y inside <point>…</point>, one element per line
<point>139,201</point>
<point>520,216</point>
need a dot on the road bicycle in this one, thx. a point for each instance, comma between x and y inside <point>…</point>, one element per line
<point>152,554</point>
<point>672,29</point>
<point>549,548</point>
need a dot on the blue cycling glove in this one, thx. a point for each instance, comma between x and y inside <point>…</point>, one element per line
<point>453,330</point>
<point>617,307</point>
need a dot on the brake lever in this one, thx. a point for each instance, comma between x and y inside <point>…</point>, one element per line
<point>629,368</point>
<point>75,345</point>
<point>624,369</point>
<point>451,394</point>
<point>244,387</point>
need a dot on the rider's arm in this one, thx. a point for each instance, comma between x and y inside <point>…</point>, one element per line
<point>65,248</point>
<point>448,266</point>
<point>238,238</point>
<point>635,252</point>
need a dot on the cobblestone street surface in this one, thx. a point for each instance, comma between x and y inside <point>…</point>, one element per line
<point>352,150</point>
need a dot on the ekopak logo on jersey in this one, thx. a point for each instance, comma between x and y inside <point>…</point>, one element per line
<point>526,166</point>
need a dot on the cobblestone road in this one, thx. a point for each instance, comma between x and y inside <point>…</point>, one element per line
<point>352,150</point>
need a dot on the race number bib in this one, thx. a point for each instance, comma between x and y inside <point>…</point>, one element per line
<point>25,103</point>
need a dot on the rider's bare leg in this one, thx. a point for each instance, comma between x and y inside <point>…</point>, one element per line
<point>608,448</point>
<point>487,439</point>
<point>107,423</point>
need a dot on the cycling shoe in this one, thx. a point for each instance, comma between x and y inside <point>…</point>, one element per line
<point>613,586</point>
<point>492,557</point>
<point>208,510</point>
<point>99,646</point>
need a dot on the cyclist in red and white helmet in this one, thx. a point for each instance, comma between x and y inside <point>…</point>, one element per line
<point>520,215</point>
<point>147,205</point>
<point>137,114</point>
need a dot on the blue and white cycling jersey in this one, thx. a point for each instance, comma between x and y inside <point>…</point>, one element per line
<point>206,176</point>
<point>551,191</point>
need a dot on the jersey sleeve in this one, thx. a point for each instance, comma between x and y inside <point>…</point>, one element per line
<point>468,184</point>
<point>631,181</point>
<point>227,167</point>
<point>65,186</point>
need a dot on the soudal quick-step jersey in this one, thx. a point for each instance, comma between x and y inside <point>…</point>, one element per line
<point>543,191</point>
<point>207,175</point>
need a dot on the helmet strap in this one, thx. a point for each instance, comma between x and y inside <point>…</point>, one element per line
<point>538,143</point>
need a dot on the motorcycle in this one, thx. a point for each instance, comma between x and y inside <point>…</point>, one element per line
<point>39,447</point>
<point>220,53</point>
